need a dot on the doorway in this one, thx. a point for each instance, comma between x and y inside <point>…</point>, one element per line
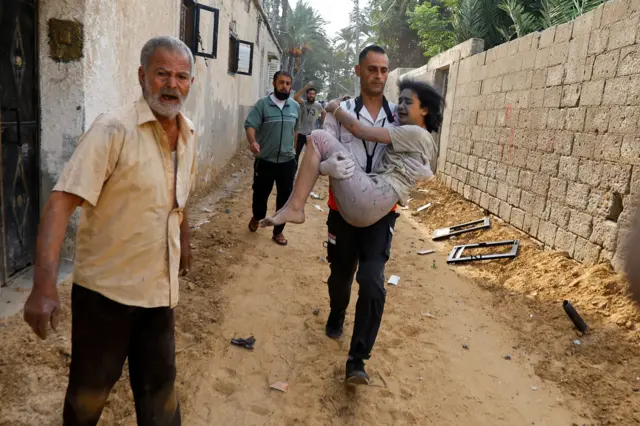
<point>19,136</point>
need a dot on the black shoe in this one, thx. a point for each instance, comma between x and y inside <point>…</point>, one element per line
<point>333,329</point>
<point>355,373</point>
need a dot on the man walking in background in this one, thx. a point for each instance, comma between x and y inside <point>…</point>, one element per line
<point>271,128</point>
<point>310,111</point>
<point>132,173</point>
<point>365,250</point>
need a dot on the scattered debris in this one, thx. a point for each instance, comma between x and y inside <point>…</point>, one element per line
<point>286,360</point>
<point>577,342</point>
<point>206,210</point>
<point>428,315</point>
<point>456,252</point>
<point>245,343</point>
<point>393,280</point>
<point>318,208</point>
<point>280,386</point>
<point>383,380</point>
<point>443,233</point>
<point>507,357</point>
<point>423,252</point>
<point>316,312</point>
<point>465,346</point>
<point>433,265</point>
<point>422,208</point>
<point>227,210</point>
<point>636,389</point>
<point>574,316</point>
<point>534,388</point>
<point>315,196</point>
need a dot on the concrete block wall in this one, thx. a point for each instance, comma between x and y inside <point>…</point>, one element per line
<point>544,132</point>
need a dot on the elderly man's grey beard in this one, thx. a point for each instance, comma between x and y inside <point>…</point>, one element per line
<point>156,104</point>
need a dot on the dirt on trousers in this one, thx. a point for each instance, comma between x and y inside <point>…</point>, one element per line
<point>487,343</point>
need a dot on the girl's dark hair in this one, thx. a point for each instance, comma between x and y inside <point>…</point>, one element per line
<point>430,98</point>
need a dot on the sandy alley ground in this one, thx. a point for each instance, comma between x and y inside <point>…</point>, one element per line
<point>243,284</point>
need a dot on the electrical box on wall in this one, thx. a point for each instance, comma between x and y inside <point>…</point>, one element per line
<point>65,40</point>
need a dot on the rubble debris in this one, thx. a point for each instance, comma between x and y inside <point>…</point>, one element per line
<point>456,252</point>
<point>394,280</point>
<point>425,252</point>
<point>280,386</point>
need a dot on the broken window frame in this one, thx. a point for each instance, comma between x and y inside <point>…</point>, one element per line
<point>439,234</point>
<point>234,54</point>
<point>455,256</point>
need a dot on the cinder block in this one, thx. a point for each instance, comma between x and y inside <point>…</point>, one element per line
<point>555,75</point>
<point>584,145</point>
<point>482,183</point>
<point>558,142</point>
<point>568,168</point>
<point>592,93</point>
<point>624,119</point>
<point>576,71</point>
<point>570,95</point>
<point>558,214</point>
<point>556,118</point>
<point>513,174</point>
<point>623,33</point>
<point>604,234</point>
<point>577,195</point>
<point>484,200</point>
<point>630,150</point>
<point>614,11</point>
<point>514,196</point>
<point>546,37</point>
<point>557,189</point>
<point>503,191</point>
<point>582,25</point>
<point>586,252</point>
<point>492,187</point>
<point>608,147</point>
<point>531,224</point>
<point>520,156</point>
<point>528,42</point>
<point>539,79</point>
<point>565,241</point>
<point>517,218</point>
<point>527,201</point>
<point>473,180</point>
<point>597,120</point>
<point>472,162</point>
<point>475,195</point>
<point>540,184</point>
<point>534,161</point>
<point>505,211</point>
<point>547,233</point>
<point>590,172</point>
<point>550,164</point>
<point>501,172</point>
<point>598,41</point>
<point>482,166</point>
<point>536,98</point>
<point>629,60</point>
<point>606,65</point>
<point>580,224</point>
<point>633,90</point>
<point>535,118</point>
<point>494,205</point>
<point>616,177</point>
<point>559,53</point>
<point>492,168</point>
<point>597,17</point>
<point>552,97</point>
<point>526,180</point>
<point>575,119</point>
<point>466,192</point>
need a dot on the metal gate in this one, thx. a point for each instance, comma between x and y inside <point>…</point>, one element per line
<point>19,171</point>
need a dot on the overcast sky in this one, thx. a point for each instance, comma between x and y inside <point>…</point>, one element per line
<point>335,12</point>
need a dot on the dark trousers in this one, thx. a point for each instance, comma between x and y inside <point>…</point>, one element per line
<point>302,141</point>
<point>365,250</point>
<point>103,334</point>
<point>264,176</point>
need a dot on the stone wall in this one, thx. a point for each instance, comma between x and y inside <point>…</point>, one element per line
<point>544,132</point>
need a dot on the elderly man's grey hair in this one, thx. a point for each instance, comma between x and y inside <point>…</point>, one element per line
<point>165,42</point>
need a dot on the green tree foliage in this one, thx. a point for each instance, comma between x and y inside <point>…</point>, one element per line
<point>434,25</point>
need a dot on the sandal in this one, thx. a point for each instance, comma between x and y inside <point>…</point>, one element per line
<point>280,239</point>
<point>253,225</point>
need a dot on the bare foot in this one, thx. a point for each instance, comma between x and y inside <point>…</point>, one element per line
<point>285,215</point>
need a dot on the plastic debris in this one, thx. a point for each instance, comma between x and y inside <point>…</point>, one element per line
<point>280,386</point>
<point>318,208</point>
<point>428,315</point>
<point>423,252</point>
<point>314,196</point>
<point>245,343</point>
<point>426,206</point>
<point>534,388</point>
<point>465,346</point>
<point>507,357</point>
<point>227,211</point>
<point>577,342</point>
<point>393,280</point>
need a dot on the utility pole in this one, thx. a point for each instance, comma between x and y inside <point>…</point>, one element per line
<point>356,90</point>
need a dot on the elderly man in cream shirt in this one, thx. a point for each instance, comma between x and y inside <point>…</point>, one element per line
<point>131,173</point>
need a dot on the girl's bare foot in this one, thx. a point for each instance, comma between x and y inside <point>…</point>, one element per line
<point>285,215</point>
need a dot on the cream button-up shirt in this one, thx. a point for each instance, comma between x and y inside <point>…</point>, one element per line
<point>128,241</point>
